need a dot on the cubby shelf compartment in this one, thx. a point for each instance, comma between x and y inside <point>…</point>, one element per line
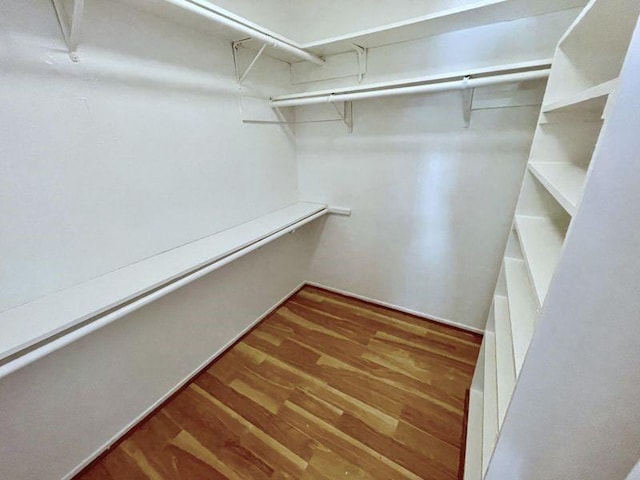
<point>522,308</point>
<point>473,457</point>
<point>490,400</point>
<point>541,239</point>
<point>589,104</point>
<point>50,316</point>
<point>505,364</point>
<point>564,181</point>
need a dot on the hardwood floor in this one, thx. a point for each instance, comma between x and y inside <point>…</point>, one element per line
<point>326,387</point>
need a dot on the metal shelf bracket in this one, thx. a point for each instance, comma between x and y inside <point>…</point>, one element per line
<point>235,46</point>
<point>346,115</point>
<point>70,25</point>
<point>467,101</point>
<point>362,60</point>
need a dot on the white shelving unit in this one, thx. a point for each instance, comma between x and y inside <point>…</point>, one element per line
<point>473,458</point>
<point>579,94</point>
<point>564,181</point>
<point>505,360</point>
<point>522,308</point>
<point>490,400</point>
<point>541,239</point>
<point>42,319</point>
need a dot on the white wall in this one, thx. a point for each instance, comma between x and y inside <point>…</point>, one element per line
<point>574,412</point>
<point>432,202</point>
<point>136,149</point>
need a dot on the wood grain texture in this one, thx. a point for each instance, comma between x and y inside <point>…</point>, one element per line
<point>325,387</point>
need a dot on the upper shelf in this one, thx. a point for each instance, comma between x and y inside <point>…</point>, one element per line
<point>477,14</point>
<point>46,317</point>
<point>460,18</point>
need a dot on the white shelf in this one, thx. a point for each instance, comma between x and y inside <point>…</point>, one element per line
<point>460,18</point>
<point>589,103</point>
<point>473,451</point>
<point>564,181</point>
<point>522,308</point>
<point>34,322</point>
<point>490,400</point>
<point>541,239</point>
<point>505,363</point>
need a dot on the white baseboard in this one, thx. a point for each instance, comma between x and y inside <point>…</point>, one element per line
<point>426,316</point>
<point>171,392</point>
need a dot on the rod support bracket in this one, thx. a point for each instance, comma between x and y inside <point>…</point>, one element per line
<point>70,25</point>
<point>346,115</point>
<point>235,46</point>
<point>467,101</point>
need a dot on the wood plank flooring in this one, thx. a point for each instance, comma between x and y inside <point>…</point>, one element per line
<point>326,387</point>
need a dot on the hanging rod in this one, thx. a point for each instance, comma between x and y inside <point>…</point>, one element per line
<point>209,11</point>
<point>35,352</point>
<point>461,84</point>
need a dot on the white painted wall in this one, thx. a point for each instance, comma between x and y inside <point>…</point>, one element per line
<point>432,202</point>
<point>582,421</point>
<point>136,149</point>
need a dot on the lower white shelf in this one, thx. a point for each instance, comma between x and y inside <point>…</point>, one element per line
<point>37,321</point>
<point>522,308</point>
<point>490,400</point>
<point>473,455</point>
<point>564,181</point>
<point>590,103</point>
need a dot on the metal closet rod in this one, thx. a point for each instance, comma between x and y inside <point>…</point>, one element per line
<point>35,353</point>
<point>202,8</point>
<point>462,84</point>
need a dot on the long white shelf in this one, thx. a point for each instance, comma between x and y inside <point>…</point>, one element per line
<point>473,451</point>
<point>589,103</point>
<point>505,363</point>
<point>522,308</point>
<point>46,317</point>
<point>490,400</point>
<point>541,239</point>
<point>459,18</point>
<point>564,181</point>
